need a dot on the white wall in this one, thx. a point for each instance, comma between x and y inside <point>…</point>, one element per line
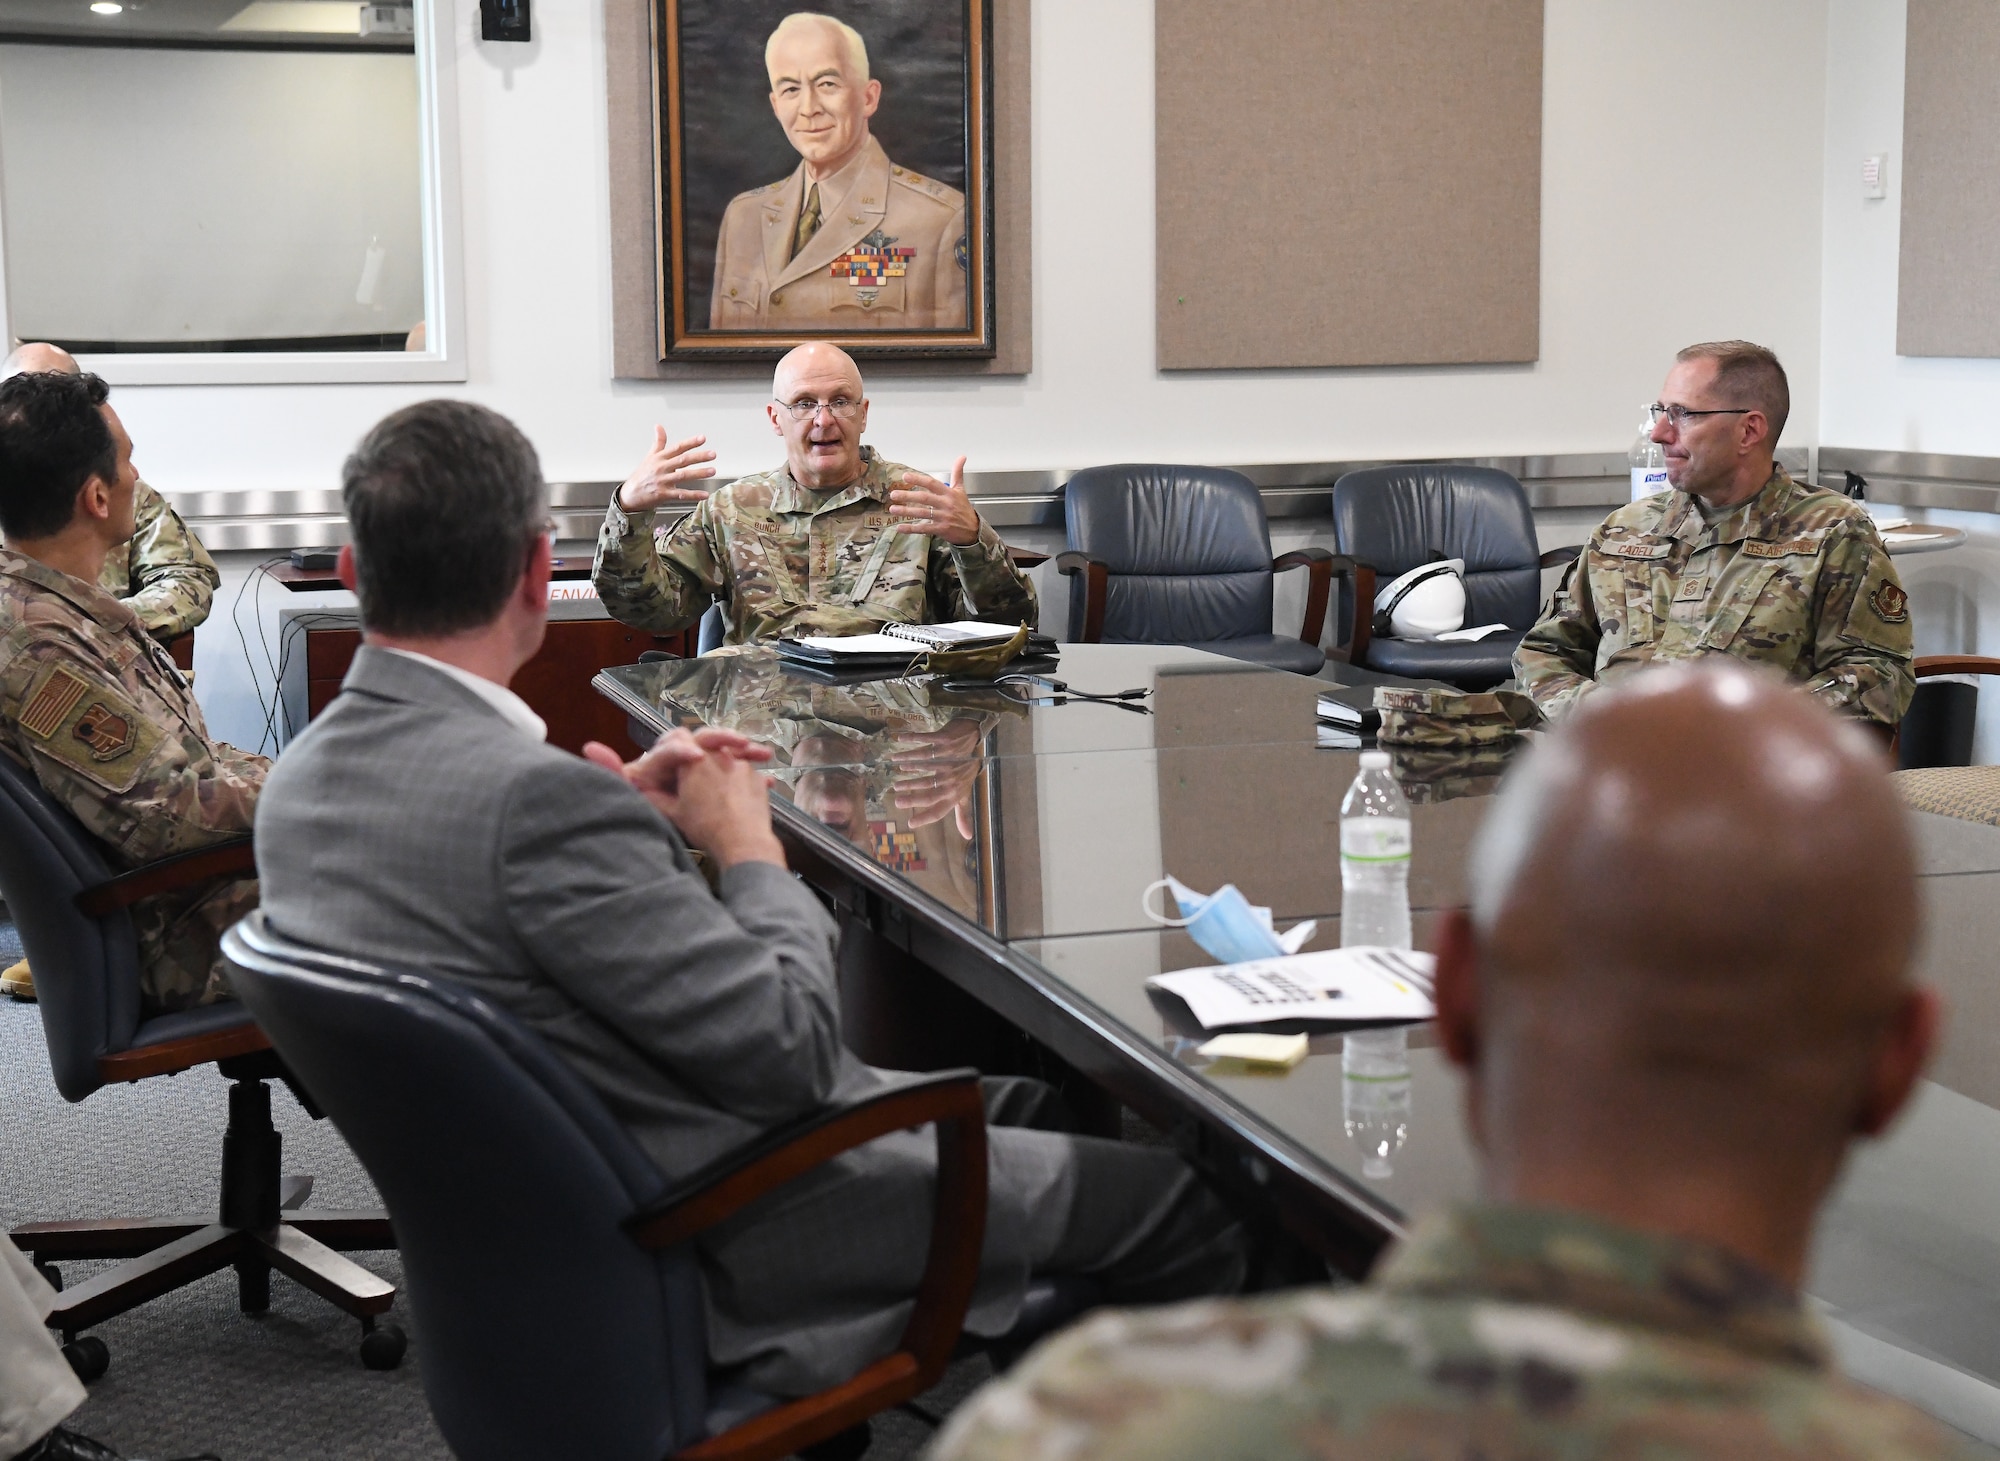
<point>1640,155</point>
<point>1871,397</point>
<point>157,195</point>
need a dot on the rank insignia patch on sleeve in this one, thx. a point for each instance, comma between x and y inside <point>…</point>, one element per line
<point>1890,603</point>
<point>107,733</point>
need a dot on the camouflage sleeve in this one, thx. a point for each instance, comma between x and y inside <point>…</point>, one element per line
<point>980,581</point>
<point>171,579</point>
<point>656,586</point>
<point>1863,648</point>
<point>148,788</point>
<point>1556,661</point>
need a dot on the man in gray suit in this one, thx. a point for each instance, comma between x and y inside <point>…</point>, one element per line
<point>421,820</point>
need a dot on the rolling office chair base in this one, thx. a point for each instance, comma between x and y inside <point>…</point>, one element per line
<point>263,1225</point>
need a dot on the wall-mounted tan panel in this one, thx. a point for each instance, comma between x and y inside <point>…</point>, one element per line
<point>1348,182</point>
<point>1948,295</point>
<point>628,56</point>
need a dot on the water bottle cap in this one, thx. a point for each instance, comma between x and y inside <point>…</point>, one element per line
<point>1374,760</point>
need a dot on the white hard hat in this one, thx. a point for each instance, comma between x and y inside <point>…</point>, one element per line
<point>1425,602</point>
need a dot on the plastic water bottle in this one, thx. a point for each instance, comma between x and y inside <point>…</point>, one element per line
<point>1648,461</point>
<point>1375,1096</point>
<point>1375,858</point>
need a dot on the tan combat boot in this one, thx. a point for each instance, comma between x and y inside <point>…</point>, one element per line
<point>17,981</point>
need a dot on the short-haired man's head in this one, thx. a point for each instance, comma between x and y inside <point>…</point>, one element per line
<point>444,499</point>
<point>1749,375</point>
<point>53,439</point>
<point>855,48</point>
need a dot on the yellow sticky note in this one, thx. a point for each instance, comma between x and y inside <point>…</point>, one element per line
<point>1280,1052</point>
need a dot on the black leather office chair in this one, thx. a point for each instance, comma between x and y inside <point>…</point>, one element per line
<point>71,912</point>
<point>1388,520</point>
<point>1937,729</point>
<point>1182,555</point>
<point>548,1257</point>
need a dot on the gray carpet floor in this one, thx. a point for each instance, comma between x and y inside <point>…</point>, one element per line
<point>189,1373</point>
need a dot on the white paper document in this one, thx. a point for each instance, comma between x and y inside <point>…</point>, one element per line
<point>1359,984</point>
<point>861,644</point>
<point>1469,636</point>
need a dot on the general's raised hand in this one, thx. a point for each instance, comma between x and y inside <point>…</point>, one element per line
<point>663,476</point>
<point>922,504</point>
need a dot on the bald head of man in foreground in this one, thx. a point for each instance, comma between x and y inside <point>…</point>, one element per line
<point>1683,987</point>
<point>1681,992</point>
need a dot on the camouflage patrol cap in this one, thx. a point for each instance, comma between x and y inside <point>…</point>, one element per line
<point>1443,774</point>
<point>1451,718</point>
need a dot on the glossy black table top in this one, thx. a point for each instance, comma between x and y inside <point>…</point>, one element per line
<point>1050,820</point>
<point>1036,830</point>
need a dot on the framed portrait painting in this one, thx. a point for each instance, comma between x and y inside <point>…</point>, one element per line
<point>824,175</point>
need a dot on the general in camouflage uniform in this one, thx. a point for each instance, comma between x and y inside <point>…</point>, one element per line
<point>91,704</point>
<point>1494,1333</point>
<point>788,562</point>
<point>1796,578</point>
<point>165,574</point>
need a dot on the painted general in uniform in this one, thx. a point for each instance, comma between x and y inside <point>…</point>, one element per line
<point>849,241</point>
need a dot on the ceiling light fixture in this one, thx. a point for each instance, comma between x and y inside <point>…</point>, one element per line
<point>107,7</point>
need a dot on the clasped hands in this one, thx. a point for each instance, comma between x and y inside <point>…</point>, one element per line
<point>710,784</point>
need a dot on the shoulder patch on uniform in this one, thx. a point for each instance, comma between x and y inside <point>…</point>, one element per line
<point>56,698</point>
<point>92,729</point>
<point>1890,603</point>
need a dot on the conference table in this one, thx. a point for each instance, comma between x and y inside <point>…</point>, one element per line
<point>1003,852</point>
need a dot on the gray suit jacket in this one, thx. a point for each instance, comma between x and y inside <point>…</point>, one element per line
<point>411,823</point>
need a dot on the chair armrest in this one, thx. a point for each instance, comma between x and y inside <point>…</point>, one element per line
<point>1319,586</point>
<point>952,1100</point>
<point>1096,585</point>
<point>1362,577</point>
<point>170,874</point>
<point>1956,664</point>
<point>1557,556</point>
<point>1026,557</point>
<point>180,649</point>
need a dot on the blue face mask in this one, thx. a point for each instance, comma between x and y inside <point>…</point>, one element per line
<point>1225,923</point>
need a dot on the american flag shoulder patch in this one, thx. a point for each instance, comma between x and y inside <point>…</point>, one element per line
<point>53,701</point>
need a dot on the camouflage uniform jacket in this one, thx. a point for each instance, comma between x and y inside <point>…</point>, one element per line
<point>165,575</point>
<point>1796,578</point>
<point>91,703</point>
<point>1499,1334</point>
<point>789,562</point>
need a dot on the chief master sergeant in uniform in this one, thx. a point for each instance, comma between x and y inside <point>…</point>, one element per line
<point>1683,989</point>
<point>89,701</point>
<point>164,573</point>
<point>1736,559</point>
<point>849,241</point>
<point>837,541</point>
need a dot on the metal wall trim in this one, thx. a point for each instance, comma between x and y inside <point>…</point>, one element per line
<point>312,517</point>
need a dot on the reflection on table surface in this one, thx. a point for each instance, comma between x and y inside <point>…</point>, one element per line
<point>1051,820</point>
<point>1195,698</point>
<point>1042,826</point>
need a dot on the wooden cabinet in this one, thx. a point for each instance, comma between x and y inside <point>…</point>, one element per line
<point>555,683</point>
